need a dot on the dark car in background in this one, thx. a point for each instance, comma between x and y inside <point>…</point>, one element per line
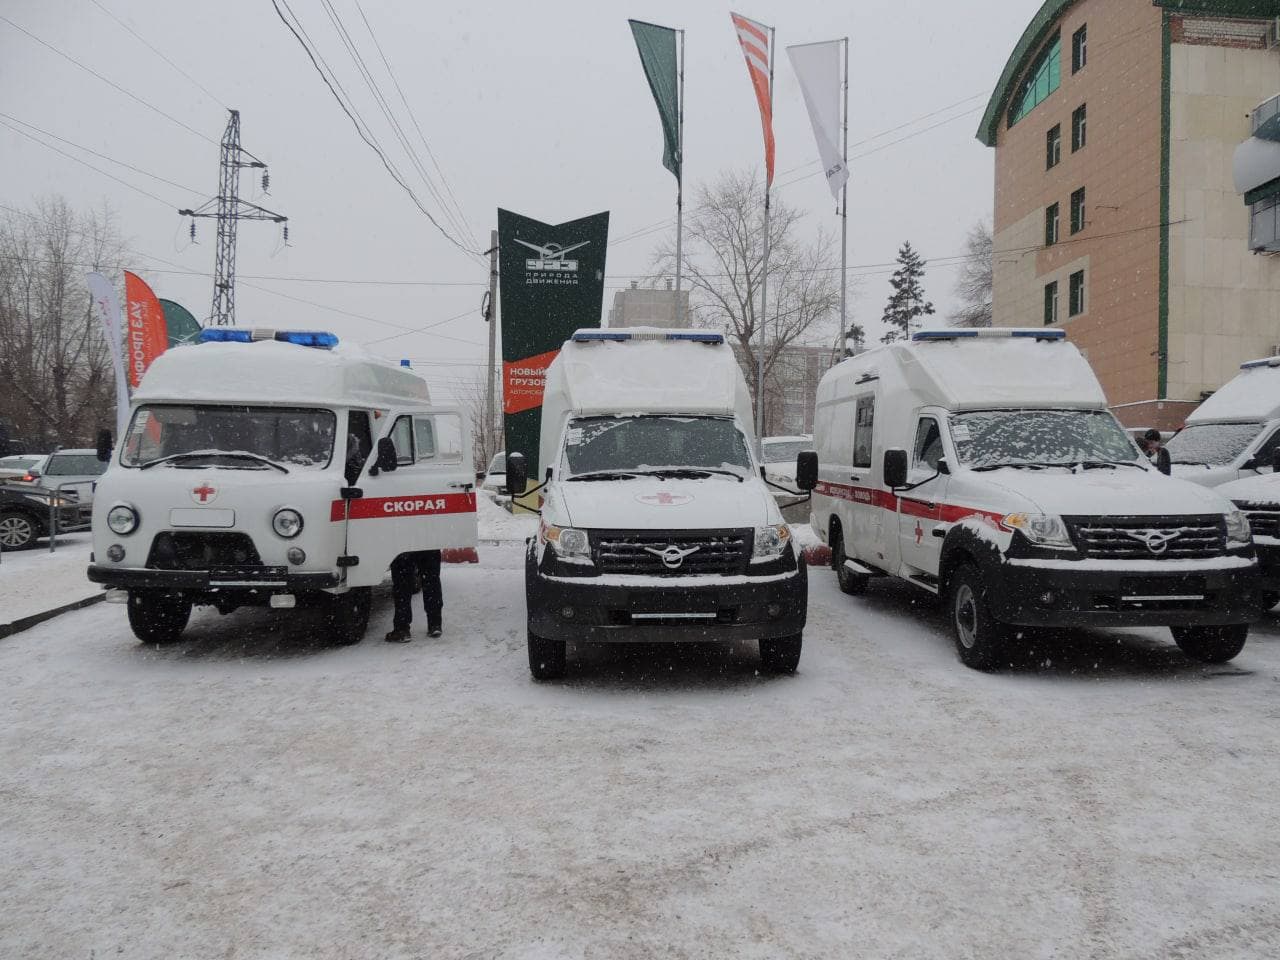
<point>25,514</point>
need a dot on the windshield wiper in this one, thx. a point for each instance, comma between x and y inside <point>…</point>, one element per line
<point>606,475</point>
<point>693,473</point>
<point>1018,464</point>
<point>210,454</point>
<point>1110,464</point>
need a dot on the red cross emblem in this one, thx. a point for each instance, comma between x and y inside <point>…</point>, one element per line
<point>205,493</point>
<point>664,499</point>
<point>919,533</point>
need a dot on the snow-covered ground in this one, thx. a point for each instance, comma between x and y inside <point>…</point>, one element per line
<point>33,581</point>
<point>253,792</point>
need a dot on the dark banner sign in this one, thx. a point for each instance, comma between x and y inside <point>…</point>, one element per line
<point>551,284</point>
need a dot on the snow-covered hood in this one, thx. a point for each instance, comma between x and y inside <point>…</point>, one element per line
<point>1119,492</point>
<point>650,503</point>
<point>1264,488</point>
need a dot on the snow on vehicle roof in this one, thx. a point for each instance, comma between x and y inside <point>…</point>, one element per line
<point>1251,395</point>
<point>649,375</point>
<point>273,372</point>
<point>983,373</point>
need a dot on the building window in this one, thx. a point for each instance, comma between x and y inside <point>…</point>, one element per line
<point>1051,303</point>
<point>1264,230</point>
<point>1077,211</point>
<point>1079,49</point>
<point>1051,225</point>
<point>1042,79</point>
<point>1076,304</point>
<point>1053,146</point>
<point>1078,128</point>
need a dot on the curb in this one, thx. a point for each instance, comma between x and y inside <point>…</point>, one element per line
<point>26,623</point>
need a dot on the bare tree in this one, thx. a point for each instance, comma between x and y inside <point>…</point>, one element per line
<point>723,261</point>
<point>973,287</point>
<point>54,360</point>
<point>487,437</point>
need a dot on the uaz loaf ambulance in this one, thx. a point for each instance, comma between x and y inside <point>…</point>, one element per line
<point>656,522</point>
<point>984,466</point>
<point>272,468</point>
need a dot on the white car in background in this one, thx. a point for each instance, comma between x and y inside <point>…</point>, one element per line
<point>495,480</point>
<point>73,472</point>
<point>778,455</point>
<point>19,465</point>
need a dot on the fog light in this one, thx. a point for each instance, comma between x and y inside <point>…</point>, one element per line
<point>774,610</point>
<point>567,613</point>
<point>296,555</point>
<point>115,553</point>
<point>1047,598</point>
<point>282,601</point>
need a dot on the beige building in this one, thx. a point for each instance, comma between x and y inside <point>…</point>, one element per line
<point>1114,124</point>
<point>791,389</point>
<point>650,307</point>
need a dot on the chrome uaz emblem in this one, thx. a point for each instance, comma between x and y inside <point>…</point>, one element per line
<point>672,556</point>
<point>1157,541</point>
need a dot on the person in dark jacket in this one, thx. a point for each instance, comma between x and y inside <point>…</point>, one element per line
<point>423,565</point>
<point>1151,443</point>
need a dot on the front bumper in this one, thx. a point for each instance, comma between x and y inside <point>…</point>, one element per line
<point>1119,597</point>
<point>1269,566</point>
<point>246,582</point>
<point>618,611</point>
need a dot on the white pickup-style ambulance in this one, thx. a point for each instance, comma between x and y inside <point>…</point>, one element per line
<point>1235,434</point>
<point>275,468</point>
<point>984,466</point>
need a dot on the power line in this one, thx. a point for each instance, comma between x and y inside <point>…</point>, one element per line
<point>111,83</point>
<point>137,36</point>
<point>429,326</point>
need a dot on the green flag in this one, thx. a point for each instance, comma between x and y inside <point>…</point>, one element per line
<point>657,46</point>
<point>181,325</point>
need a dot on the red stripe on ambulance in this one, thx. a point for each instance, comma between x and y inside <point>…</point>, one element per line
<point>944,512</point>
<point>413,505</point>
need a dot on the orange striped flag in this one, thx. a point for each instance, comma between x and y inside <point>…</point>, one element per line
<point>754,38</point>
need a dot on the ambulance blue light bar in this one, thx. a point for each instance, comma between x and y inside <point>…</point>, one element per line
<point>988,334</point>
<point>303,338</point>
<point>622,336</point>
<point>1264,362</point>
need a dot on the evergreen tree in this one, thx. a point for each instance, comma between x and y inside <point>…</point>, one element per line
<point>907,301</point>
<point>855,340</point>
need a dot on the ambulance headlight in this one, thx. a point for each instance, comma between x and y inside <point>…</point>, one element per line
<point>122,519</point>
<point>771,541</point>
<point>1237,527</point>
<point>567,543</point>
<point>287,523</point>
<point>1042,529</point>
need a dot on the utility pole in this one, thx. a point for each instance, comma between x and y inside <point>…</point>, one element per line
<point>228,209</point>
<point>491,317</point>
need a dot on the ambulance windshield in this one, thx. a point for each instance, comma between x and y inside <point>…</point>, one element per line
<point>612,445</point>
<point>988,439</point>
<point>234,437</point>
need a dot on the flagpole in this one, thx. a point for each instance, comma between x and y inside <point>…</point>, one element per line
<point>679,311</point>
<point>844,212</point>
<point>764,278</point>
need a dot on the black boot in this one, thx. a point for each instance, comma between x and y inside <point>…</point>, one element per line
<point>398,635</point>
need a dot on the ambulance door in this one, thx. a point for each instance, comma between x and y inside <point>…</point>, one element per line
<point>428,502</point>
<point>920,509</point>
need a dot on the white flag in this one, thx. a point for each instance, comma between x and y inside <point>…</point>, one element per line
<point>817,66</point>
<point>106,305</point>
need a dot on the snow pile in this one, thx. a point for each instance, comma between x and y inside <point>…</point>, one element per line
<point>497,525</point>
<point>33,581</point>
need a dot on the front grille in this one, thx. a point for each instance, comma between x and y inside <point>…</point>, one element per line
<point>723,552</point>
<point>1264,518</point>
<point>202,551</point>
<point>1124,538</point>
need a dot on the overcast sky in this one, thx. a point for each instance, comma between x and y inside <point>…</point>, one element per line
<point>538,107</point>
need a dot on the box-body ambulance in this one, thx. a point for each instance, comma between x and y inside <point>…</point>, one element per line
<point>1235,434</point>
<point>275,468</point>
<point>656,522</point>
<point>985,467</point>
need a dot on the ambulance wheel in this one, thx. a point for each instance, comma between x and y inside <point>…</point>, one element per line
<point>854,584</point>
<point>158,617</point>
<point>1211,644</point>
<point>980,638</point>
<point>348,615</point>
<point>546,658</point>
<point>781,654</point>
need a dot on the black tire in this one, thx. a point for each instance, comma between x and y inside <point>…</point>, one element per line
<point>19,530</point>
<point>1211,644</point>
<point>348,615</point>
<point>781,654</point>
<point>854,584</point>
<point>546,658</point>
<point>981,640</point>
<point>158,617</point>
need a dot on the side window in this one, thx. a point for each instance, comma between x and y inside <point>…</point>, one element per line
<point>402,437</point>
<point>1267,450</point>
<point>424,436</point>
<point>359,436</point>
<point>863,421</point>
<point>928,449</point>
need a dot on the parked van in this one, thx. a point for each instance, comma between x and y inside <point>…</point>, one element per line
<point>656,522</point>
<point>984,466</point>
<point>1236,432</point>
<point>275,468</point>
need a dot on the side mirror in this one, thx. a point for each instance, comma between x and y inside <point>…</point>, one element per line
<point>806,470</point>
<point>895,468</point>
<point>944,468</point>
<point>1275,460</point>
<point>517,474</point>
<point>104,445</point>
<point>387,458</point>
<point>1163,462</point>
<point>351,470</point>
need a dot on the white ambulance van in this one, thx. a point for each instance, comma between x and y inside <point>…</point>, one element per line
<point>275,468</point>
<point>984,466</point>
<point>1234,434</point>
<point>656,521</point>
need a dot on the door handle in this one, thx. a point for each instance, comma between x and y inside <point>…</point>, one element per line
<point>461,486</point>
